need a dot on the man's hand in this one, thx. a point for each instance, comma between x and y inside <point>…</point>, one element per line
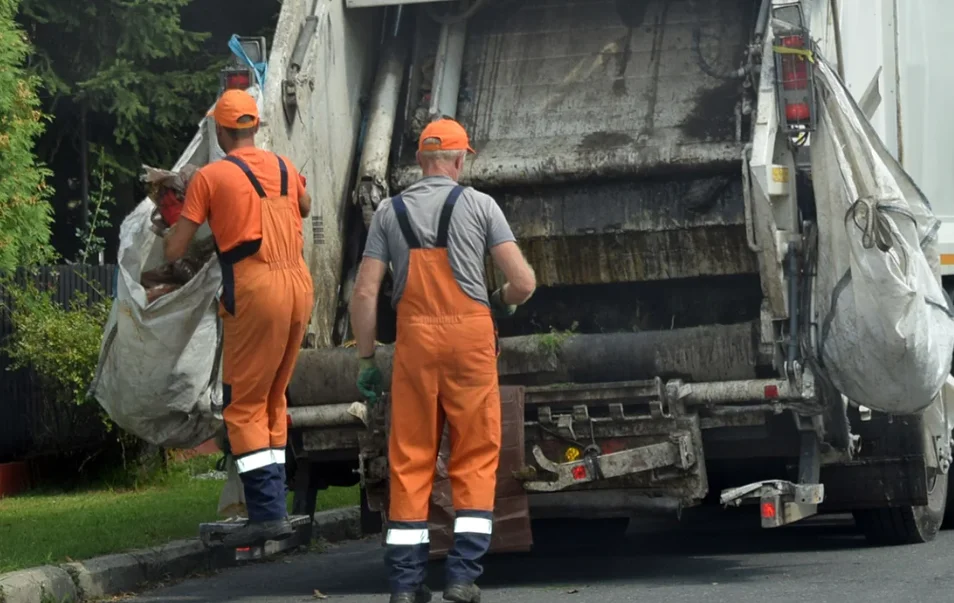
<point>370,381</point>
<point>521,282</point>
<point>498,307</point>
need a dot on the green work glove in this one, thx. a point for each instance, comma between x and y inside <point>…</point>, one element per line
<point>499,309</point>
<point>369,380</point>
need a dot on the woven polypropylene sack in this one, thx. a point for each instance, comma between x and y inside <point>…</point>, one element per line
<point>159,366</point>
<point>886,328</point>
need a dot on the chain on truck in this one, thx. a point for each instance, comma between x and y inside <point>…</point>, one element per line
<point>655,161</point>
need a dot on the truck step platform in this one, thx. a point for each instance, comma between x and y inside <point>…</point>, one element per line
<point>212,533</point>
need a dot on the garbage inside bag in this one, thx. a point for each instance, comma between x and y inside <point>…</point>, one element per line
<point>170,276</point>
<point>167,189</point>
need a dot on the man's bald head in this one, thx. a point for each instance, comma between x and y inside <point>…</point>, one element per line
<point>442,148</point>
<point>441,163</point>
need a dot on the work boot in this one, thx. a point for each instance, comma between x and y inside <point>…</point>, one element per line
<point>423,595</point>
<point>462,593</point>
<point>259,532</point>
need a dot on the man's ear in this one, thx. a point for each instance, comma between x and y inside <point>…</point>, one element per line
<point>460,162</point>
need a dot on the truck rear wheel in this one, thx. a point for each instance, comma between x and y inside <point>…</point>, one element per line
<point>906,525</point>
<point>948,522</point>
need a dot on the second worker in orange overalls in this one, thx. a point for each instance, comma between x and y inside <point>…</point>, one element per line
<point>254,202</point>
<point>436,235</point>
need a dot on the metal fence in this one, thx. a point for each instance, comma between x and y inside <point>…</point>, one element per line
<point>30,424</point>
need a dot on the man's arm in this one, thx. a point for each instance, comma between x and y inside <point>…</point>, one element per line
<point>304,199</point>
<point>195,212</point>
<point>178,238</point>
<point>304,204</point>
<point>521,281</point>
<point>364,304</point>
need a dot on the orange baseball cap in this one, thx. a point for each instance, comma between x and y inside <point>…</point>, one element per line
<point>450,135</point>
<point>232,106</point>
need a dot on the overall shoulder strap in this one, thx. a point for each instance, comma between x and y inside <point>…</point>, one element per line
<point>400,212</point>
<point>248,174</point>
<point>443,227</point>
<point>284,170</point>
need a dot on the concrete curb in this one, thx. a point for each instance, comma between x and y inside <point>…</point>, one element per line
<point>46,584</point>
<point>125,572</point>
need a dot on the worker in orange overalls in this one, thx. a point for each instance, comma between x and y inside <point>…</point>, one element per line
<point>254,202</point>
<point>435,235</point>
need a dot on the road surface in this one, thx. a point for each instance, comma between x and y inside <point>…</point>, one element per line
<point>824,562</point>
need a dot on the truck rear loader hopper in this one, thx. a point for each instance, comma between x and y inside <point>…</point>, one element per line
<point>655,172</point>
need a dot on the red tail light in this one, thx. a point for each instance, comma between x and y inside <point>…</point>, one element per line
<point>579,473</point>
<point>794,76</point>
<point>239,80</point>
<point>768,510</point>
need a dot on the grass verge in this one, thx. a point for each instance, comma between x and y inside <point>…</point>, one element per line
<point>53,527</point>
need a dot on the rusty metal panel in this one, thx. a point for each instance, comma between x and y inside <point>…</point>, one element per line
<point>559,90</point>
<point>512,511</point>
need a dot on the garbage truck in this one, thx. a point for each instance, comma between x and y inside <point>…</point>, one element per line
<point>740,221</point>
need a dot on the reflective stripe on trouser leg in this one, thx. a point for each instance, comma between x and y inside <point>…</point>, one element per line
<point>472,533</point>
<point>264,483</point>
<point>278,454</point>
<point>408,547</point>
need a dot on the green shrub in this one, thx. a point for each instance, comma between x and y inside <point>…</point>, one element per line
<point>60,344</point>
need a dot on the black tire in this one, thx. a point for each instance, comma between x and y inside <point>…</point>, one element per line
<point>906,525</point>
<point>948,522</point>
<point>371,521</point>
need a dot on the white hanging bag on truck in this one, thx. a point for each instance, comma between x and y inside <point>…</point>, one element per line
<point>885,326</point>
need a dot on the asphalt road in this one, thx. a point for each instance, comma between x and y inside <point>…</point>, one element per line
<point>821,562</point>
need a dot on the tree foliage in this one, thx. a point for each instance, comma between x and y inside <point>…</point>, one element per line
<point>25,211</point>
<point>130,63</point>
<point>125,82</point>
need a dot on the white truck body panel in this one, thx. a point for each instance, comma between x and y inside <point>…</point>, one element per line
<point>904,45</point>
<point>335,74</point>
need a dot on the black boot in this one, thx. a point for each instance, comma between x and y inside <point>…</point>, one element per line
<point>423,595</point>
<point>259,532</point>
<point>462,593</point>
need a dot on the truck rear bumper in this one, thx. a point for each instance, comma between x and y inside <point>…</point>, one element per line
<point>644,435</point>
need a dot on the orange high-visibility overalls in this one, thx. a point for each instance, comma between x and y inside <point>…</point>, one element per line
<point>445,367</point>
<point>265,306</point>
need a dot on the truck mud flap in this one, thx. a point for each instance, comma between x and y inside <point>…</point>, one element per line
<point>511,509</point>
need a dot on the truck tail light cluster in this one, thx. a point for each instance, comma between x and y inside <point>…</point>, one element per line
<point>794,69</point>
<point>238,80</point>
<point>794,78</point>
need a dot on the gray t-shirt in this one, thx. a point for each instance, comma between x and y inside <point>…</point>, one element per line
<point>476,225</point>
